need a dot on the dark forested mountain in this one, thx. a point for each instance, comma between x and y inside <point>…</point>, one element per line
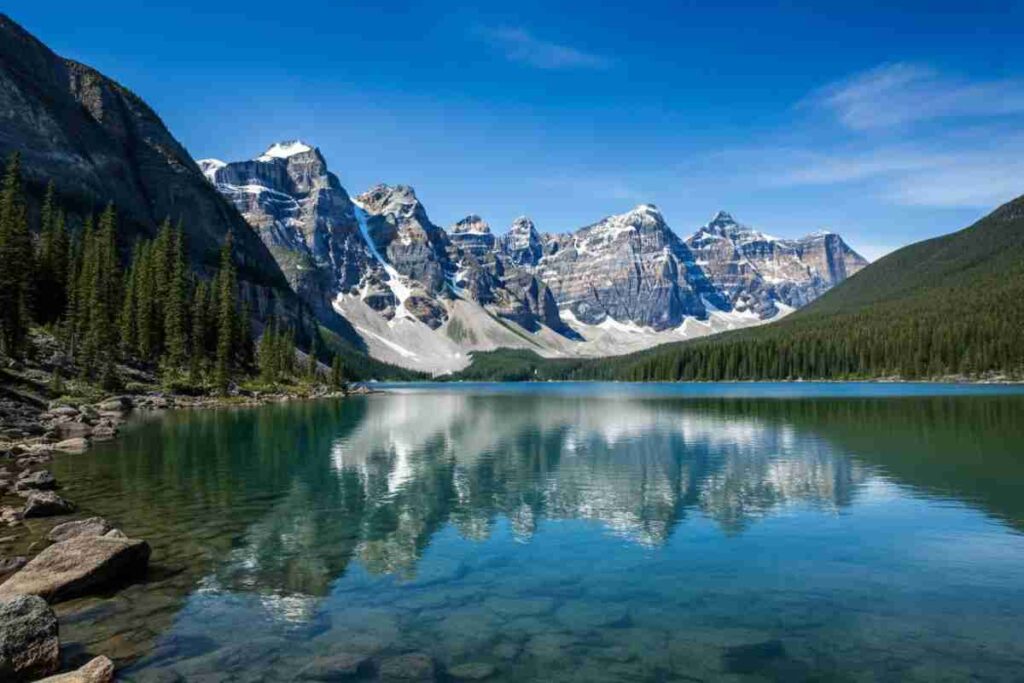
<point>98,142</point>
<point>953,305</point>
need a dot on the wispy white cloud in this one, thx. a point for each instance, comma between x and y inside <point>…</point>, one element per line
<point>901,93</point>
<point>519,45</point>
<point>937,173</point>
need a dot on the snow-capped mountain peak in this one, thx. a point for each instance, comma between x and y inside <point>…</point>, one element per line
<point>283,150</point>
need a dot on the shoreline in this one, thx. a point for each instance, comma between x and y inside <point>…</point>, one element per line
<point>51,550</point>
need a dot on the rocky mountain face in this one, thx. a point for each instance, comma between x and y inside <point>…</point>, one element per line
<point>98,142</point>
<point>755,271</point>
<point>423,296</point>
<point>630,268</point>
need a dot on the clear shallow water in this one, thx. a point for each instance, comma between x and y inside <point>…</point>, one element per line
<point>573,532</point>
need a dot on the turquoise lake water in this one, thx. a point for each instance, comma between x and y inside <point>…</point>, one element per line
<point>571,532</point>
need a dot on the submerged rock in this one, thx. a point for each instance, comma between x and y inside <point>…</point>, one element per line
<point>472,671</point>
<point>79,566</point>
<point>93,526</point>
<point>411,667</point>
<point>98,670</point>
<point>46,504</point>
<point>29,647</point>
<point>341,666</point>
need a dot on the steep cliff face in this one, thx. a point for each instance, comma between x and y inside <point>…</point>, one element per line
<point>98,142</point>
<point>630,268</point>
<point>401,230</point>
<point>302,214</point>
<point>756,272</point>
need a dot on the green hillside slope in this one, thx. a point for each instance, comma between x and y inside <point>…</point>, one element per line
<point>953,305</point>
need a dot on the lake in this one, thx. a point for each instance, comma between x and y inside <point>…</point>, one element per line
<point>570,532</point>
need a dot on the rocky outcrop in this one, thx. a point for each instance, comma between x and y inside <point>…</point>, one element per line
<point>99,142</point>
<point>472,235</point>
<point>79,566</point>
<point>29,645</point>
<point>522,243</point>
<point>755,271</point>
<point>97,670</point>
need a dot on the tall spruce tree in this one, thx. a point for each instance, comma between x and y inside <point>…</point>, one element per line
<point>15,261</point>
<point>175,303</point>
<point>226,323</point>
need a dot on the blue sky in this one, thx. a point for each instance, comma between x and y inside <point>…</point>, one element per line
<point>887,122</point>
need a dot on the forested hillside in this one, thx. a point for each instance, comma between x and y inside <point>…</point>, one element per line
<point>949,306</point>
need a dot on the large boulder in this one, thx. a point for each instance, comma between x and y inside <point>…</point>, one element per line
<point>29,647</point>
<point>79,566</point>
<point>93,526</point>
<point>98,670</point>
<point>46,504</point>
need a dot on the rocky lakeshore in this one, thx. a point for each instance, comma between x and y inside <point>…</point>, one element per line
<point>50,551</point>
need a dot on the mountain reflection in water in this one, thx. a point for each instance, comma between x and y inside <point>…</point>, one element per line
<point>278,505</point>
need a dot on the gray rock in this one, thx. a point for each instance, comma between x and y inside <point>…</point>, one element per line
<point>79,566</point>
<point>46,504</point>
<point>29,647</point>
<point>63,411</point>
<point>41,480</point>
<point>10,515</point>
<point>72,430</point>
<point>341,666</point>
<point>117,404</point>
<point>97,670</point>
<point>93,526</point>
<point>9,565</point>
<point>410,667</point>
<point>76,445</point>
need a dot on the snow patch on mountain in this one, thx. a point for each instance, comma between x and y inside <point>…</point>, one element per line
<point>394,281</point>
<point>283,150</point>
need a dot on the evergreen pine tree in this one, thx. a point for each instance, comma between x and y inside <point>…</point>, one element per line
<point>226,325</point>
<point>175,331</point>
<point>15,261</point>
<point>199,334</point>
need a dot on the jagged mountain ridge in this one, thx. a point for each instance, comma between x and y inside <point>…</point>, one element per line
<point>424,297</point>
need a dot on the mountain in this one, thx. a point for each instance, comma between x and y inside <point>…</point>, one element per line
<point>630,268</point>
<point>759,272</point>
<point>952,306</point>
<point>99,142</point>
<point>425,297</point>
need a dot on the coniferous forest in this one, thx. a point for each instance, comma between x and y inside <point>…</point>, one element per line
<point>949,307</point>
<point>149,311</point>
